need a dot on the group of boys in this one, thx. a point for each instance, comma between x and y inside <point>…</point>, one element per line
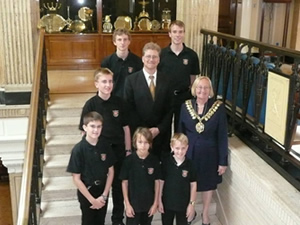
<point>125,101</point>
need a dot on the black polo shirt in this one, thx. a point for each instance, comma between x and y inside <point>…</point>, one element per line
<point>121,69</point>
<point>91,162</point>
<point>177,180</point>
<point>114,115</point>
<point>141,175</point>
<point>179,67</point>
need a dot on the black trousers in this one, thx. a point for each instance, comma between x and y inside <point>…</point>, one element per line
<point>91,216</point>
<point>169,215</point>
<point>140,218</point>
<point>117,194</point>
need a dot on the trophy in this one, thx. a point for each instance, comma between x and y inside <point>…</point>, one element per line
<point>166,18</point>
<point>107,26</point>
<point>52,22</point>
<point>143,13</point>
<point>86,15</point>
<point>52,7</point>
<point>144,21</point>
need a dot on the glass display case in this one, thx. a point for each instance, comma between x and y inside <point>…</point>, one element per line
<point>75,16</point>
<point>138,15</point>
<point>103,16</point>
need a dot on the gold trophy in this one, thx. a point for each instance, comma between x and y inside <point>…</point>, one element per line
<point>166,18</point>
<point>144,21</point>
<point>107,26</point>
<point>52,22</point>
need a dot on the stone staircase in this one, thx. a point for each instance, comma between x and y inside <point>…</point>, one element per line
<point>59,202</point>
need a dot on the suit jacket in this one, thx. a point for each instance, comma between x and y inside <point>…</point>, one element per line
<point>146,112</point>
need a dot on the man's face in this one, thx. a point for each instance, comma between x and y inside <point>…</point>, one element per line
<point>104,84</point>
<point>122,42</point>
<point>176,34</point>
<point>150,59</point>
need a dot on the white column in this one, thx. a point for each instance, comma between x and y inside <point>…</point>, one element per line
<point>197,14</point>
<point>13,133</point>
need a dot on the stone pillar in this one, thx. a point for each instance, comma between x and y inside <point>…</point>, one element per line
<point>197,14</point>
<point>18,39</point>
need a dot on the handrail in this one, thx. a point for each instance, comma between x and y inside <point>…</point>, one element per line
<point>239,70</point>
<point>26,185</point>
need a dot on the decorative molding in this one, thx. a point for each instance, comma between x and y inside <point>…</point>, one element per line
<point>14,111</point>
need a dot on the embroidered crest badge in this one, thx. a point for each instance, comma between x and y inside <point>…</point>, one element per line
<point>185,61</point>
<point>130,69</point>
<point>115,113</point>
<point>103,156</point>
<point>150,171</point>
<point>184,173</point>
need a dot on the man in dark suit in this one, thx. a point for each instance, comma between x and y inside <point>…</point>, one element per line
<point>149,97</point>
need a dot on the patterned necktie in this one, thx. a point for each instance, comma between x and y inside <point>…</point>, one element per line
<point>152,86</point>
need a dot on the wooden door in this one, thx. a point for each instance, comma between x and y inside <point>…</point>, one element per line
<point>227,16</point>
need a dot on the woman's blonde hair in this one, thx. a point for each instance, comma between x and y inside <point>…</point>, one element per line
<point>196,83</point>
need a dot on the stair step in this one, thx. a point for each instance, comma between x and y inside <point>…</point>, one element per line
<point>59,196</point>
<point>62,126</point>
<point>67,105</point>
<point>59,189</point>
<point>56,165</point>
<point>61,144</point>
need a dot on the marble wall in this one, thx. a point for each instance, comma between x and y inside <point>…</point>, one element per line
<point>252,192</point>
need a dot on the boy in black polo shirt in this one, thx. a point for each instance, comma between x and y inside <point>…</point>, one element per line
<point>115,130</point>
<point>122,62</point>
<point>140,180</point>
<point>178,186</point>
<point>91,164</point>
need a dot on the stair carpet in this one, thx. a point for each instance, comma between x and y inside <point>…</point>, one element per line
<point>59,201</point>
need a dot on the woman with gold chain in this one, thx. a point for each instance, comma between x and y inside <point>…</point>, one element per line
<point>203,120</point>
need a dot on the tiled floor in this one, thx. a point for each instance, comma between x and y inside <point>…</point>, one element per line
<point>5,204</point>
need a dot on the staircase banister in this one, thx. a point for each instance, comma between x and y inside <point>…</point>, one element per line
<point>275,49</point>
<point>25,191</point>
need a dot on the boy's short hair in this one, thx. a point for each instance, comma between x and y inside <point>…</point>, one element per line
<point>182,138</point>
<point>144,132</point>
<point>92,116</point>
<point>102,71</point>
<point>151,46</point>
<point>177,23</point>
<point>119,32</point>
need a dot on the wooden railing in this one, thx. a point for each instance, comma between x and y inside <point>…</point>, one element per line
<point>30,194</point>
<point>239,69</point>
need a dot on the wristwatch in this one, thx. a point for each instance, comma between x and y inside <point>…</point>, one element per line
<point>104,197</point>
<point>192,203</point>
<point>129,150</point>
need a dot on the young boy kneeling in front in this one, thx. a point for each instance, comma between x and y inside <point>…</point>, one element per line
<point>140,175</point>
<point>91,164</point>
<point>178,184</point>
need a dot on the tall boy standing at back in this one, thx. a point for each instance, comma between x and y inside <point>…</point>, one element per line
<point>122,62</point>
<point>115,130</point>
<point>91,165</point>
<point>181,64</point>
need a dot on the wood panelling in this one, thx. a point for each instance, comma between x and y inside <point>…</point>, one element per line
<point>69,51</point>
<point>76,51</point>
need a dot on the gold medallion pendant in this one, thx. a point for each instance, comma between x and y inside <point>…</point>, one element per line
<point>199,127</point>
